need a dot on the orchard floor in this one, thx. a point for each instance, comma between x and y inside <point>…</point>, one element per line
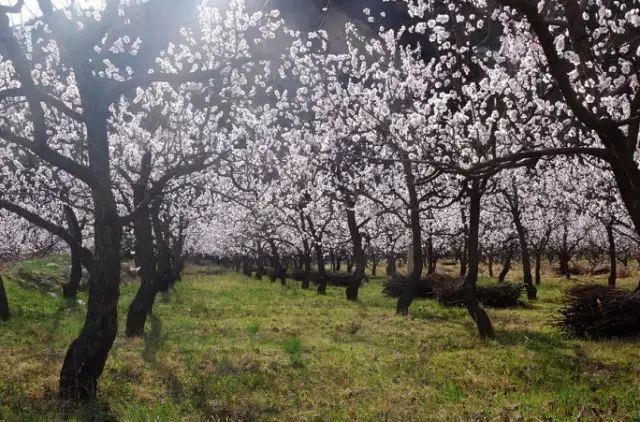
<point>226,347</point>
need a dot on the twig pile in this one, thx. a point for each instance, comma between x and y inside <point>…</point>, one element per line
<point>594,311</point>
<point>395,286</point>
<point>503,295</point>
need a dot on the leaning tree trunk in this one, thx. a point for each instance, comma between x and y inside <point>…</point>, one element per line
<point>359,257</point>
<point>4,303</point>
<point>506,266</point>
<point>70,288</point>
<point>142,304</point>
<point>476,312</point>
<point>411,285</point>
<point>612,255</point>
<point>87,355</point>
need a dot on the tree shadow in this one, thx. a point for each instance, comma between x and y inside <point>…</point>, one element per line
<point>97,410</point>
<point>153,340</point>
<point>535,340</point>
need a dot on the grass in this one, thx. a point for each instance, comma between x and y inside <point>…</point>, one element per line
<point>226,347</point>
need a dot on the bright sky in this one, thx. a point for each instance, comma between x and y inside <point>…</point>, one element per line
<point>31,8</point>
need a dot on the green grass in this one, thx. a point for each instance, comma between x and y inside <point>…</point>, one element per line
<point>226,347</point>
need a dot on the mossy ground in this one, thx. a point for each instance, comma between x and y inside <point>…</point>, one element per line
<point>226,347</point>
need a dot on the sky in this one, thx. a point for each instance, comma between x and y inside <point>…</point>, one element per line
<point>31,8</point>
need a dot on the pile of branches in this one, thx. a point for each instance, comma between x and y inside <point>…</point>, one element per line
<point>594,311</point>
<point>337,280</point>
<point>395,286</point>
<point>502,295</point>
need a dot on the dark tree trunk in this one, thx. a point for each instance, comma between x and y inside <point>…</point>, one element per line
<point>349,265</point>
<point>538,266</point>
<point>526,261</point>
<point>164,255</point>
<point>87,355</point>
<point>4,303</point>
<point>322,282</point>
<point>391,264</point>
<point>70,289</point>
<point>479,315</point>
<point>432,259</point>
<point>506,266</point>
<point>513,199</point>
<point>280,272</point>
<point>338,261</point>
<point>246,266</point>
<point>374,265</point>
<point>359,257</point>
<point>307,264</point>
<point>411,286</point>
<point>564,255</point>
<point>259,262</point>
<point>142,304</point>
<point>612,255</point>
<point>465,249</point>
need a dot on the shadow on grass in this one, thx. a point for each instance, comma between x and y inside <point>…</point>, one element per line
<point>94,411</point>
<point>534,340</point>
<point>153,340</point>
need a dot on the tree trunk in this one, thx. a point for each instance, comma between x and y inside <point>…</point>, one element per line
<point>374,266</point>
<point>322,282</point>
<point>259,262</point>
<point>490,264</point>
<point>564,256</point>
<point>70,289</point>
<point>307,264</point>
<point>359,257</point>
<point>538,266</point>
<point>280,272</point>
<point>142,304</point>
<point>87,355</point>
<point>432,259</point>
<point>506,266</point>
<point>526,261</point>
<point>411,286</point>
<point>391,264</point>
<point>4,303</point>
<point>479,315</point>
<point>612,255</point>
